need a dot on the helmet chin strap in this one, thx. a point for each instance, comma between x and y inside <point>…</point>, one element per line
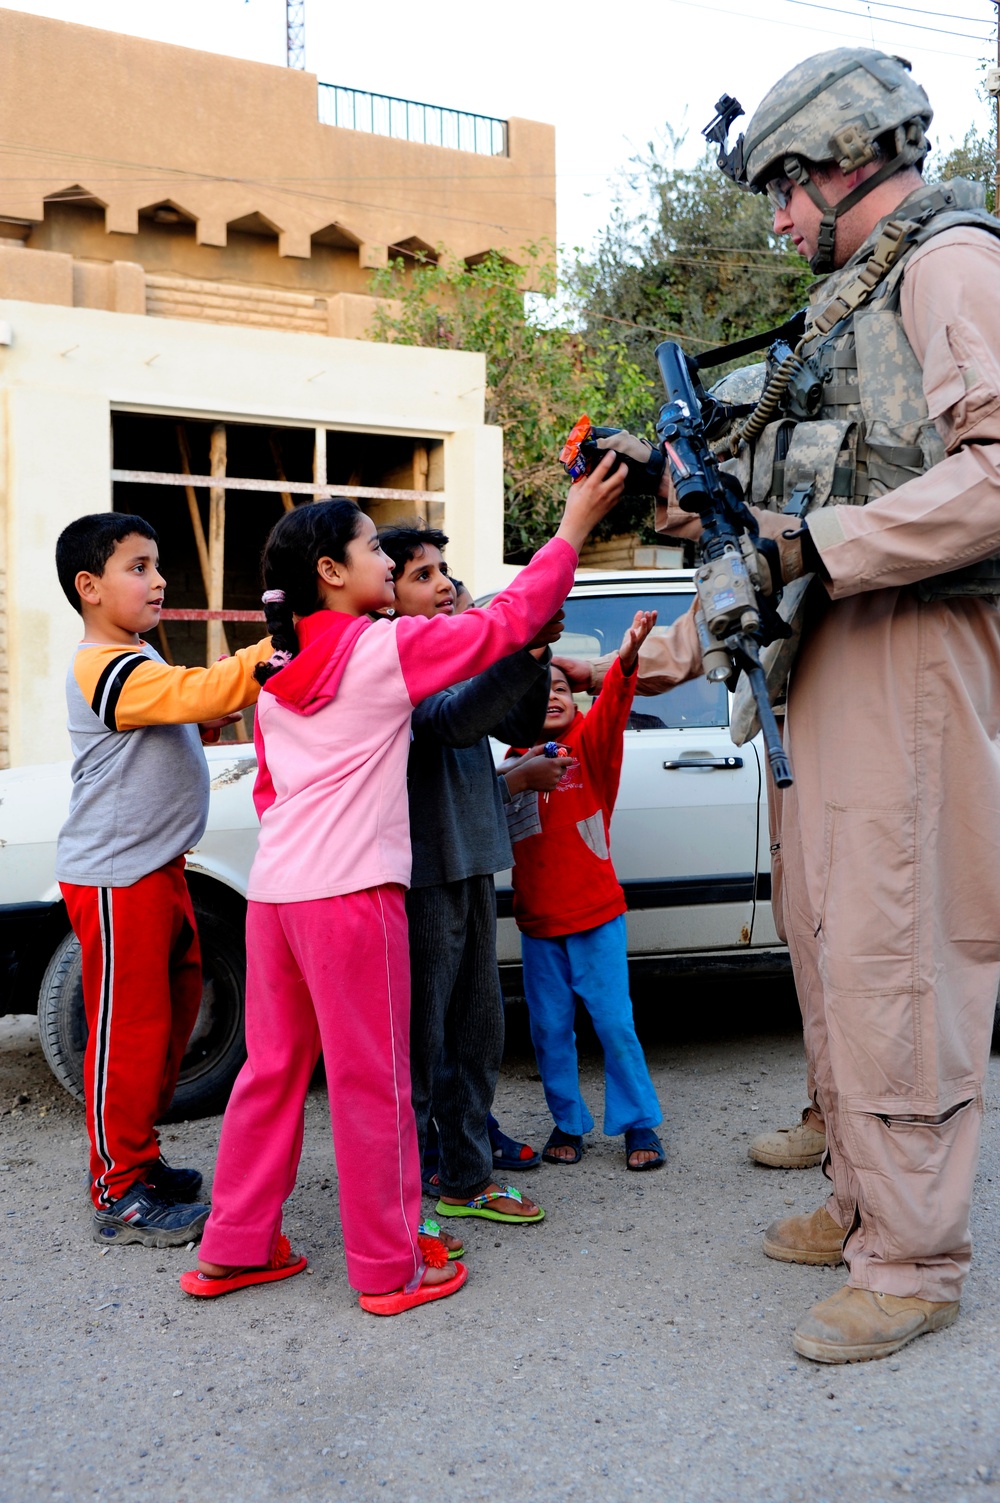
<point>796,170</point>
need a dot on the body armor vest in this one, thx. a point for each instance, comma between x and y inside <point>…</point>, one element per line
<point>872,432</point>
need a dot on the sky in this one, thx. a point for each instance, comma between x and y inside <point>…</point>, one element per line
<point>610,77</point>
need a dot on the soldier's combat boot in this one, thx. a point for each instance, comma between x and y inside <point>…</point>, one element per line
<point>855,1325</point>
<point>806,1239</point>
<point>798,1147</point>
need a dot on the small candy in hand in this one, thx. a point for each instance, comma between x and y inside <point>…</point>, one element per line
<point>554,749</point>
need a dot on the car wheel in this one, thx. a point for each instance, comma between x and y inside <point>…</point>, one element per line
<point>216,1050</point>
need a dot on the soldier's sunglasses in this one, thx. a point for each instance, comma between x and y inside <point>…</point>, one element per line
<point>779,190</point>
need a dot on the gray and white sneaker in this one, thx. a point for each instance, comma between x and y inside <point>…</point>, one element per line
<point>140,1215</point>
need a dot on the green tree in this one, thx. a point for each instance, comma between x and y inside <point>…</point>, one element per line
<point>974,158</point>
<point>539,376</point>
<point>698,262</point>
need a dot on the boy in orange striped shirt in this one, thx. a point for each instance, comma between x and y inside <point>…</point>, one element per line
<point>139,802</point>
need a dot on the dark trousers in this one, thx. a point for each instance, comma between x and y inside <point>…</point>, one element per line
<point>456,1025</point>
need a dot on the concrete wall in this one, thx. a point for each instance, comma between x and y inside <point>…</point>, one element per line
<point>67,368</point>
<point>261,186</point>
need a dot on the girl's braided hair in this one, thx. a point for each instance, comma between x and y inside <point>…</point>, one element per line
<point>295,545</point>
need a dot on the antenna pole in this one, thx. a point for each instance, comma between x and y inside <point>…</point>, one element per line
<point>295,13</point>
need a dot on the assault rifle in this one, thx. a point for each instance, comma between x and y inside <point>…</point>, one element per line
<point>738,569</point>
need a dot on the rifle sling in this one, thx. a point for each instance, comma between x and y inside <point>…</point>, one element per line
<point>791,331</point>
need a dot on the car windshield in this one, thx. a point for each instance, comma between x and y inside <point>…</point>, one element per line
<point>595,624</point>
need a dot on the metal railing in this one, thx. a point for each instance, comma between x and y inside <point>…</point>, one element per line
<point>408,120</point>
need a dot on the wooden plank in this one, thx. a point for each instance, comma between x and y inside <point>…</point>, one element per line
<point>286,498</point>
<point>192,501</point>
<point>215,636</point>
<point>319,463</point>
<point>198,530</point>
<point>183,614</point>
<point>421,464</point>
<point>293,487</point>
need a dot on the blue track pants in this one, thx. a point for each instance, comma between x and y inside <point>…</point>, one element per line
<point>593,967</point>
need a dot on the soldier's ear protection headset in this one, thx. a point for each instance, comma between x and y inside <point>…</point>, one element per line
<point>850,148</point>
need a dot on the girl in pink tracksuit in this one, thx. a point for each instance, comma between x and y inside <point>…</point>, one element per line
<point>327,953</point>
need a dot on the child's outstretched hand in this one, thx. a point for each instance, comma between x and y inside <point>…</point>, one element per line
<point>633,639</point>
<point>211,730</point>
<point>535,770</point>
<point>549,633</point>
<point>590,500</point>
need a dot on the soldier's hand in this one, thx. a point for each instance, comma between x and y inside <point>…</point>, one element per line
<point>671,519</point>
<point>579,674</point>
<point>792,557</point>
<point>628,446</point>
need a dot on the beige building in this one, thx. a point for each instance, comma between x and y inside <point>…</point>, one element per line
<point>186,247</point>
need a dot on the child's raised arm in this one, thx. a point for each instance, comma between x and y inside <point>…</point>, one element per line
<point>601,741</point>
<point>436,653</point>
<point>128,690</point>
<point>628,652</point>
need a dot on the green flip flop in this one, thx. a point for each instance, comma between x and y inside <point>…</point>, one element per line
<point>431,1229</point>
<point>479,1205</point>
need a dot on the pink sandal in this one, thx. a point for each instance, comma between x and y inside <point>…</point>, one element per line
<point>280,1265</point>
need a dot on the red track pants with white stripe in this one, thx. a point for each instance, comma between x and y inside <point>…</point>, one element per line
<point>331,973</point>
<point>141,993</point>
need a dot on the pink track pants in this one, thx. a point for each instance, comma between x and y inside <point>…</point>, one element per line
<point>331,974</point>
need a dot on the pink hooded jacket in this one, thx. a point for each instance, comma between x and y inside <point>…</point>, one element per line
<point>333,732</point>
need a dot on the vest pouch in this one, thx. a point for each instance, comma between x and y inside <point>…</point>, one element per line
<point>770,450</point>
<point>901,441</point>
<point>820,465</point>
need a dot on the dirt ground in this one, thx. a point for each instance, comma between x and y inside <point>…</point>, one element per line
<point>634,1345</point>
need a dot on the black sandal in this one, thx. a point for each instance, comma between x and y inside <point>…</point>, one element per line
<point>560,1139</point>
<point>636,1140</point>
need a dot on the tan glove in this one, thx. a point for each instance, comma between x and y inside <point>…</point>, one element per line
<point>628,446</point>
<point>794,551</point>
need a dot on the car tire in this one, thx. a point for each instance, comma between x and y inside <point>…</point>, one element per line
<point>216,1050</point>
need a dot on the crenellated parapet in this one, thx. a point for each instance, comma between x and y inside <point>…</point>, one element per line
<point>152,165</point>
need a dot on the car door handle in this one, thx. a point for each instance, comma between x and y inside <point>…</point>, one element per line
<point>713,763</point>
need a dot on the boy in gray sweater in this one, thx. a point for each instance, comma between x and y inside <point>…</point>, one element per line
<point>458,833</point>
<point>139,802</point>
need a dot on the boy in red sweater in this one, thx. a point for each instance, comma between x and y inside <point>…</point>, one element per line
<point>570,909</point>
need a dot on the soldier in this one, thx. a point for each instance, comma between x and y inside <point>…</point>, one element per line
<point>890,834</point>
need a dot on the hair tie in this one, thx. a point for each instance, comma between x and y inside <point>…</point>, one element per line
<point>279,659</point>
<point>273,597</point>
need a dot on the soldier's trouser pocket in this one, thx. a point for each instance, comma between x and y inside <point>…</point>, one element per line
<point>868,917</point>
<point>914,1180</point>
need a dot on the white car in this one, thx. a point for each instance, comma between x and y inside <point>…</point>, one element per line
<point>689,842</point>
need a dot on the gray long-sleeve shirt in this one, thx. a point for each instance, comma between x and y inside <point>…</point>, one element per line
<point>457,823</point>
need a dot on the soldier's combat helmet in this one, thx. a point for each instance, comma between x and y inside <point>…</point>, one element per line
<point>851,106</point>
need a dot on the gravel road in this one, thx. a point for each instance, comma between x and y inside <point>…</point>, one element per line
<point>634,1345</point>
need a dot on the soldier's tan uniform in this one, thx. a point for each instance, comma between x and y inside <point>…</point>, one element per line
<point>891,832</point>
